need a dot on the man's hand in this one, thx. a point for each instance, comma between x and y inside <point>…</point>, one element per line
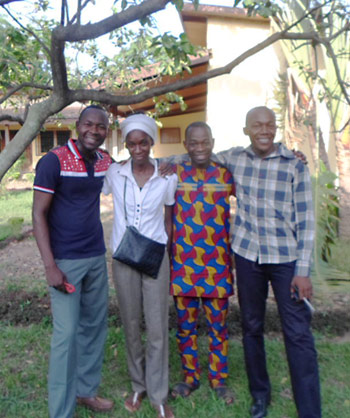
<point>304,286</point>
<point>300,155</point>
<point>123,162</point>
<point>165,169</point>
<point>56,278</point>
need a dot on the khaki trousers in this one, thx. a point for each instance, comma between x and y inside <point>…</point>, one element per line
<point>140,294</point>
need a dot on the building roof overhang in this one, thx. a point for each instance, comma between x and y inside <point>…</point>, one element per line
<point>204,11</point>
<point>194,97</point>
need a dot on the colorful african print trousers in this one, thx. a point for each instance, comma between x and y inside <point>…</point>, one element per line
<point>187,316</point>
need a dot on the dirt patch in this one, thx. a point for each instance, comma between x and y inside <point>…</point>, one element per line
<point>22,274</point>
<point>24,308</point>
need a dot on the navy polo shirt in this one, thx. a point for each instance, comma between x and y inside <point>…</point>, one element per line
<point>74,216</point>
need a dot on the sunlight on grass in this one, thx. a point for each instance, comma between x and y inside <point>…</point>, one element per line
<point>15,211</point>
<point>338,259</point>
<point>16,205</point>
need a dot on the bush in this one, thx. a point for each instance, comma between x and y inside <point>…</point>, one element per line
<point>326,200</point>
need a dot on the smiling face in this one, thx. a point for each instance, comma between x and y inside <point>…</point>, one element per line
<point>261,129</point>
<point>199,145</point>
<point>92,128</point>
<point>139,146</point>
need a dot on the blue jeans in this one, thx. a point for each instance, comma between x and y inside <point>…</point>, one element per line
<point>79,334</point>
<point>252,284</point>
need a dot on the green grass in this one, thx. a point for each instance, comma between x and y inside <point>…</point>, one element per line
<point>24,357</point>
<point>24,361</point>
<point>15,212</point>
<point>338,259</point>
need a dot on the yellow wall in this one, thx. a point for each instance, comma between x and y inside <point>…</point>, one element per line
<point>181,121</point>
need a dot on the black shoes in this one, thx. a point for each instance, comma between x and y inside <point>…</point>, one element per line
<point>259,408</point>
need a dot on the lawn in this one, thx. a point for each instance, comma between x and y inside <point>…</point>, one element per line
<point>24,350</point>
<point>15,212</point>
<point>24,357</point>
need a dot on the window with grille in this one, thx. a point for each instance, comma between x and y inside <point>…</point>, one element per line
<point>2,140</point>
<point>46,141</point>
<point>51,139</point>
<point>62,137</point>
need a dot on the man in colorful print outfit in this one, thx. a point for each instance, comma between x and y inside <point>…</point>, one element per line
<point>201,260</point>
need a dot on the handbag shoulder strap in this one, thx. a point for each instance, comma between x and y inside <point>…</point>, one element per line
<point>124,197</point>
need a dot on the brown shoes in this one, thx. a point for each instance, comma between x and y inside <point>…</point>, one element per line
<point>164,411</point>
<point>96,403</point>
<point>133,402</point>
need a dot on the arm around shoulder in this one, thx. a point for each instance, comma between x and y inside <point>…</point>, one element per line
<point>226,157</point>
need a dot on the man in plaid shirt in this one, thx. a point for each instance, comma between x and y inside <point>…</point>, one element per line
<point>272,241</point>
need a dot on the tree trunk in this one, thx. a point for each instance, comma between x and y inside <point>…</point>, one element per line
<point>37,115</point>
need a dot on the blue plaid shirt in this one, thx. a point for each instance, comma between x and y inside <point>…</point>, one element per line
<point>274,221</point>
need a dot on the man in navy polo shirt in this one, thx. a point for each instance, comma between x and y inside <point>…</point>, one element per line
<point>68,231</point>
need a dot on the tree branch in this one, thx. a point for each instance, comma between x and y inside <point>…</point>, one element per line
<point>58,66</point>
<point>73,33</point>
<point>331,53</point>
<point>79,12</point>
<point>15,89</point>
<point>306,15</point>
<point>12,118</point>
<point>75,17</point>
<point>104,97</point>
<point>345,28</point>
<point>4,2</point>
<point>46,49</point>
<point>63,8</point>
<point>37,115</point>
<point>76,33</point>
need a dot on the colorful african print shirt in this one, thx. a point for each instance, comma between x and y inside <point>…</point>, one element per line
<point>201,255</point>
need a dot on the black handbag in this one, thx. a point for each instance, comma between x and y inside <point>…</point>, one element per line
<point>138,251</point>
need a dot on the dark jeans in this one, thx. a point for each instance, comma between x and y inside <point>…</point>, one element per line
<point>252,283</point>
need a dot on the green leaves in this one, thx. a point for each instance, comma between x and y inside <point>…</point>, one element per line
<point>22,59</point>
<point>163,104</point>
<point>261,7</point>
<point>141,58</point>
<point>327,211</point>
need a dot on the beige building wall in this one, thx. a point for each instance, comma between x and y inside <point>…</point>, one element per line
<point>250,84</point>
<point>181,121</point>
<point>164,150</point>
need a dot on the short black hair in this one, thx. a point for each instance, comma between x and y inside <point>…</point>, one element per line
<point>198,124</point>
<point>98,107</point>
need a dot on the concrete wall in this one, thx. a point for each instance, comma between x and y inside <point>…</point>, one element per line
<point>182,121</point>
<point>250,84</point>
